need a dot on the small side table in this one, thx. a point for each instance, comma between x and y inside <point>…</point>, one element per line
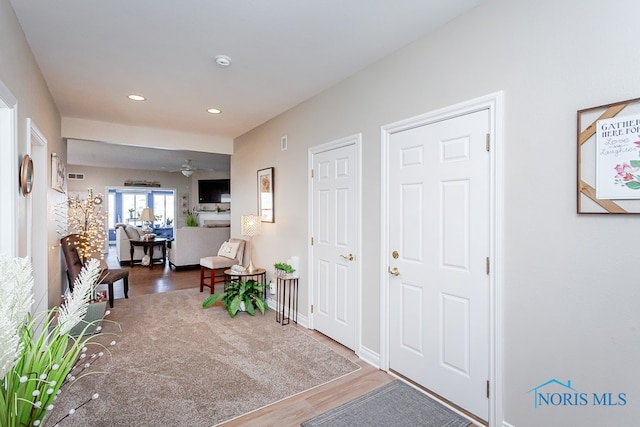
<point>259,275</point>
<point>148,246</point>
<point>288,299</point>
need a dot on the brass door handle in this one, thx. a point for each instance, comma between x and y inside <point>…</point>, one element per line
<point>394,271</point>
<point>349,257</point>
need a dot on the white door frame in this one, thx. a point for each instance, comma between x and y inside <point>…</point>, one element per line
<point>494,103</point>
<point>37,243</point>
<point>349,140</point>
<point>8,172</point>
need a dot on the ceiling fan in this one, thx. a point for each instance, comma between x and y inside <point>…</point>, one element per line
<point>187,169</point>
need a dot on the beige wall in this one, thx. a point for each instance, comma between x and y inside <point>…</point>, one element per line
<point>20,74</point>
<point>570,281</point>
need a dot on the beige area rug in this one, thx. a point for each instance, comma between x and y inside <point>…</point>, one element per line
<point>176,363</point>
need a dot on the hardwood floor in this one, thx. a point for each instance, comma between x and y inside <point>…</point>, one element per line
<point>287,412</point>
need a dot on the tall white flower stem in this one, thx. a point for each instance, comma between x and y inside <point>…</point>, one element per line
<point>33,368</point>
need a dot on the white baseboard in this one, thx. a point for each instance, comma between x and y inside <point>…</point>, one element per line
<point>369,356</point>
<point>302,320</point>
<point>365,354</point>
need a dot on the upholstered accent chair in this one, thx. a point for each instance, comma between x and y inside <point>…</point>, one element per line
<point>216,265</point>
<point>69,245</point>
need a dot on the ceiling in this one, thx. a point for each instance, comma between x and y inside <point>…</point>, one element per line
<point>100,154</point>
<point>94,53</point>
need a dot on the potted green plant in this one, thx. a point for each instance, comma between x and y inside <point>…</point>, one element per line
<point>192,219</point>
<point>284,270</point>
<point>239,296</point>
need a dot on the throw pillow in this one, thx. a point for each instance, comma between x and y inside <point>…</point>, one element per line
<point>229,249</point>
<point>132,233</point>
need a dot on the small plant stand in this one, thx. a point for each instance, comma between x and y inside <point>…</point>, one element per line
<point>286,299</point>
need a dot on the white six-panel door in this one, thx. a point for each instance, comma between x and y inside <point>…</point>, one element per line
<point>335,243</point>
<point>438,244</point>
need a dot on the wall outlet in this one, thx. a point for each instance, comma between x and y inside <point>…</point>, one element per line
<point>272,288</point>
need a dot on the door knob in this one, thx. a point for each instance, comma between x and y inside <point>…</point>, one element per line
<point>349,257</point>
<point>394,271</point>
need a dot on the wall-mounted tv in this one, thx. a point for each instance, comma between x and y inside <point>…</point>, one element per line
<point>214,190</point>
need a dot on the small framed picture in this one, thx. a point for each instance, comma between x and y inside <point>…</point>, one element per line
<point>57,173</point>
<point>265,195</point>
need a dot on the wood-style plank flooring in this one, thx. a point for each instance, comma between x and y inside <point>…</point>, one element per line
<point>288,412</point>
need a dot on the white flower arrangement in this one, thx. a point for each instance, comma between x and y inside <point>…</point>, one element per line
<point>35,365</point>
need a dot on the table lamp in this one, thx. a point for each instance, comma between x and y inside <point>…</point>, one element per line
<point>250,226</point>
<point>147,215</point>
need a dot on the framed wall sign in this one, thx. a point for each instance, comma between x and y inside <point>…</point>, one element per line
<point>609,158</point>
<point>265,195</point>
<point>57,173</point>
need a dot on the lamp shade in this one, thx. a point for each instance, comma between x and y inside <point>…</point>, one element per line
<point>147,215</point>
<point>251,225</point>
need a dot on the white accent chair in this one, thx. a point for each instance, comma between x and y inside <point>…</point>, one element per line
<point>216,266</point>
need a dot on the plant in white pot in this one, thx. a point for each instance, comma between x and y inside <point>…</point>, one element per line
<point>239,294</point>
<point>284,270</point>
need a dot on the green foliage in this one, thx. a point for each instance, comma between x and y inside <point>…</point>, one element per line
<point>47,352</point>
<point>32,385</point>
<point>249,292</point>
<point>192,218</point>
<point>284,267</point>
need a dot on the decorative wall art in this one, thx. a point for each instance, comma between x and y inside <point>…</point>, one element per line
<point>609,158</point>
<point>57,173</point>
<point>265,195</point>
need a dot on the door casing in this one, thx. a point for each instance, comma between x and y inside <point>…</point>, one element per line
<point>37,243</point>
<point>8,172</point>
<point>494,103</point>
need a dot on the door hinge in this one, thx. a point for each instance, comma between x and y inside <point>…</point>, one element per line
<point>488,265</point>
<point>487,389</point>
<point>312,241</point>
<point>311,308</point>
<point>488,142</point>
<point>311,173</point>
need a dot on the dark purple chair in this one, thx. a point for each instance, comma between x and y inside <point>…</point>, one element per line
<point>69,245</point>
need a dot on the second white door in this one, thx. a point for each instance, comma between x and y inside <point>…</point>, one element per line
<point>335,243</point>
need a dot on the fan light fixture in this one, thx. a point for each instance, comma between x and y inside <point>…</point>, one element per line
<point>187,172</point>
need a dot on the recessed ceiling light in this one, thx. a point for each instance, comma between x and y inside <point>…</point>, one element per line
<point>223,60</point>
<point>137,98</point>
<point>214,111</point>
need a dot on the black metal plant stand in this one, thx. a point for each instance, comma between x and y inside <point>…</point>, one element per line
<point>286,300</point>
